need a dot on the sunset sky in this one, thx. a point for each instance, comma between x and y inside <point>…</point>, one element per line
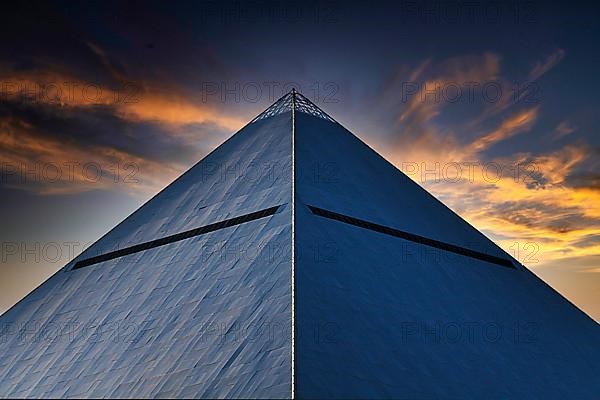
<point>492,108</point>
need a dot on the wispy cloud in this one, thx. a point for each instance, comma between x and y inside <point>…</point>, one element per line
<point>514,124</point>
<point>49,119</point>
<point>563,129</point>
<point>48,166</point>
<point>530,197</point>
<point>541,67</point>
<point>135,101</point>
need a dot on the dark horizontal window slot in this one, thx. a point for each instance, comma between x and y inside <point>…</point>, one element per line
<point>412,237</point>
<point>176,237</point>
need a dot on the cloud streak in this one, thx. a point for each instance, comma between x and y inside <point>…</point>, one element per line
<point>51,119</point>
<point>528,198</point>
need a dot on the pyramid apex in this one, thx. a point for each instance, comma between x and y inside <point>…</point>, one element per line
<point>296,100</point>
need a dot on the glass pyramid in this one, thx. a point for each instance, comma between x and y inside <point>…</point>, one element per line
<point>294,261</point>
<point>298,102</point>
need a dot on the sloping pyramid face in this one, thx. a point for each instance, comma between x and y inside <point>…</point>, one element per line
<point>206,316</point>
<point>386,313</point>
<point>294,261</point>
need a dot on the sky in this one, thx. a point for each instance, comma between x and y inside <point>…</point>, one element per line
<point>492,107</point>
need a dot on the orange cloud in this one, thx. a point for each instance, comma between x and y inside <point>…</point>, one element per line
<point>25,149</point>
<point>520,122</point>
<point>523,201</point>
<point>175,110</point>
<point>49,166</point>
<point>130,101</point>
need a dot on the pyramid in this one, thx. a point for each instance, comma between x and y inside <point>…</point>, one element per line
<point>294,261</point>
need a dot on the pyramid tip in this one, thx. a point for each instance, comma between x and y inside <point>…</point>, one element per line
<point>293,100</point>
